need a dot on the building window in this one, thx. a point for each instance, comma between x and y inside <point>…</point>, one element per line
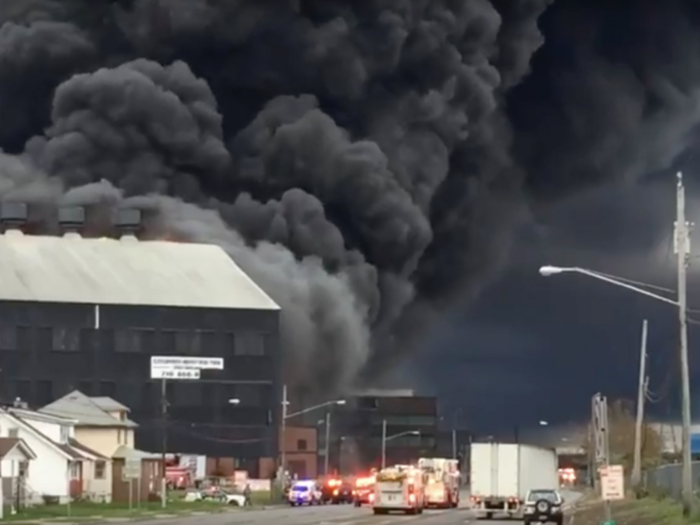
<point>405,421</point>
<point>302,444</point>
<point>211,343</point>
<point>105,337</point>
<point>24,338</point>
<point>23,469</point>
<point>88,339</point>
<point>74,470</point>
<point>148,342</point>
<point>187,343</point>
<point>227,343</point>
<point>65,434</point>
<point>119,436</point>
<point>8,337</point>
<point>100,469</point>
<point>64,339</point>
<point>249,344</point>
<point>13,432</point>
<point>127,341</point>
<point>166,344</point>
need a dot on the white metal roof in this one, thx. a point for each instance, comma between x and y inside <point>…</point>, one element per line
<point>73,269</point>
<point>84,411</point>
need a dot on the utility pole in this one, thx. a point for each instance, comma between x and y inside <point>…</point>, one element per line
<point>682,249</point>
<point>454,443</point>
<point>601,442</point>
<point>164,443</point>
<point>383,443</point>
<point>283,437</point>
<point>326,462</point>
<point>641,396</point>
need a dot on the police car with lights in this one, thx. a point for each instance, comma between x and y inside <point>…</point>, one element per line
<point>543,505</point>
<point>304,493</point>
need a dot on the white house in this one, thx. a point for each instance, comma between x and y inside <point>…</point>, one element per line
<point>56,469</point>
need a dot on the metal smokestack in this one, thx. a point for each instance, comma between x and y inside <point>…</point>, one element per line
<point>127,221</point>
<point>71,220</point>
<point>13,216</point>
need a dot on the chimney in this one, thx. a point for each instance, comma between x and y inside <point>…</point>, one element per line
<point>128,223</point>
<point>13,215</point>
<point>71,220</point>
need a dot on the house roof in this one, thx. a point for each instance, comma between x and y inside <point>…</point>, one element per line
<point>7,445</point>
<point>124,452</point>
<point>108,404</point>
<point>63,449</point>
<point>73,269</point>
<point>85,411</point>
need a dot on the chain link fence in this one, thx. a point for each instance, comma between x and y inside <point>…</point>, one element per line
<point>666,479</point>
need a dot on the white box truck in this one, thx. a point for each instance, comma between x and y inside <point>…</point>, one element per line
<point>502,474</point>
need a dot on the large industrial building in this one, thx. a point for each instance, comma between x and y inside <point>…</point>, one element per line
<point>407,423</point>
<point>87,313</point>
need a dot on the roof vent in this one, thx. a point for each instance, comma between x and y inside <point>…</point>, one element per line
<point>71,220</point>
<point>18,403</point>
<point>128,223</point>
<point>13,215</point>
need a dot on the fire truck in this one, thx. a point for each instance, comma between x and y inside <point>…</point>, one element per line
<point>399,488</point>
<point>336,491</point>
<point>443,477</point>
<point>363,491</point>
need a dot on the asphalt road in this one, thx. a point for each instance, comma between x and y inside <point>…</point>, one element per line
<point>339,515</point>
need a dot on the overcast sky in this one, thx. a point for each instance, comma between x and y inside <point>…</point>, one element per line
<point>536,348</point>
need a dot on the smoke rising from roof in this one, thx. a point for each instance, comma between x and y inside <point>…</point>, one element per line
<point>356,159</point>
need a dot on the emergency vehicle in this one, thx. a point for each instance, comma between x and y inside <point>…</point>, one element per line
<point>363,491</point>
<point>304,493</point>
<point>399,488</point>
<point>335,491</point>
<point>443,478</point>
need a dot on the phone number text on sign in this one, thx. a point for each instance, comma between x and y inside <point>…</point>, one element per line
<point>175,374</point>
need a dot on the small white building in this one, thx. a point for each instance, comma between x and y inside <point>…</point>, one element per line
<point>57,458</point>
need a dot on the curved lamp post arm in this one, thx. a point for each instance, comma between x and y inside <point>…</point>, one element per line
<point>547,271</point>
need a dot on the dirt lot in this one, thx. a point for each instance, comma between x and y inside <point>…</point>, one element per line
<point>646,511</point>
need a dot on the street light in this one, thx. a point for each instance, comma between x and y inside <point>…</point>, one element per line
<point>543,423</point>
<point>286,415</point>
<point>234,401</point>
<point>629,284</point>
<point>681,304</point>
<point>386,438</point>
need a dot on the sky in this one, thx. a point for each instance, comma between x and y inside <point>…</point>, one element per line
<point>533,348</point>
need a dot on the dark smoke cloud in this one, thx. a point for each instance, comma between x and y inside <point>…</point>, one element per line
<point>365,162</point>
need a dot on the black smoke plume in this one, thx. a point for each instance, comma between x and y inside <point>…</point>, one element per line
<point>365,162</point>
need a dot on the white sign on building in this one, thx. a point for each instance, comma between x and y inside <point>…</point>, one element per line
<point>198,363</point>
<point>180,367</point>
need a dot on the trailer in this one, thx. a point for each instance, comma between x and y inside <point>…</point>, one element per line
<point>503,473</point>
